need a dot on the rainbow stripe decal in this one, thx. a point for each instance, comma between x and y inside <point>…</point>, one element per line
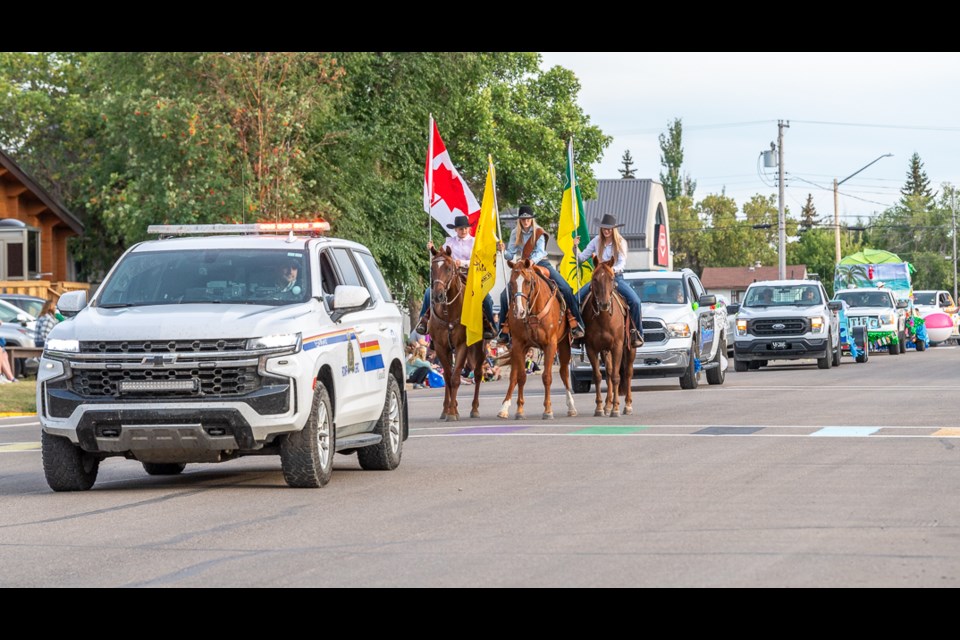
<point>370,353</point>
<point>324,339</point>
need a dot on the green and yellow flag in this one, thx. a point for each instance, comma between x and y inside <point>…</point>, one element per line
<point>483,271</point>
<point>573,222</point>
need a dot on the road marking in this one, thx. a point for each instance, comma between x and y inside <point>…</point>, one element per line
<point>15,447</point>
<point>947,431</point>
<point>845,432</point>
<point>671,430</point>
<point>14,414</point>
<point>607,431</point>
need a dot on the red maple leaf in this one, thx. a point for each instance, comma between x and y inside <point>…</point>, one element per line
<point>448,187</point>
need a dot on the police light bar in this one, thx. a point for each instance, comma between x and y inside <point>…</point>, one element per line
<point>314,226</point>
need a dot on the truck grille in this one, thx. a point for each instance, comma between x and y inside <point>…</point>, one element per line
<point>214,345</point>
<point>221,381</point>
<point>779,327</point>
<point>654,331</point>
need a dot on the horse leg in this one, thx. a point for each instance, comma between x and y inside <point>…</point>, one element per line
<point>445,363</point>
<point>518,361</point>
<point>514,377</point>
<point>626,377</point>
<point>595,363</point>
<point>548,354</point>
<point>477,378</point>
<point>616,356</point>
<point>453,413</point>
<point>563,348</point>
<point>608,401</point>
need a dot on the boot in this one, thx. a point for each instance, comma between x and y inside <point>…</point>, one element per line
<point>504,337</point>
<point>422,326</point>
<point>576,332</point>
<point>488,333</point>
<point>636,339</point>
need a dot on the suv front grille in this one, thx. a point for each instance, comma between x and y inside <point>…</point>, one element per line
<point>221,381</point>
<point>772,327</point>
<point>214,345</point>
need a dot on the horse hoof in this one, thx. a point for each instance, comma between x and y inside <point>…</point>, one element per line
<point>598,413</point>
<point>474,414</point>
<point>503,414</point>
<point>518,416</point>
<point>548,415</point>
<point>628,411</point>
<point>572,413</point>
<point>443,416</point>
<point>614,414</point>
<point>453,417</point>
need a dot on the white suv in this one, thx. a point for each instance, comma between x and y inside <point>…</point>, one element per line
<point>209,348</point>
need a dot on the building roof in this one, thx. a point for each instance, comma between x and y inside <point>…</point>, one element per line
<point>741,277</point>
<point>55,206</point>
<point>626,199</point>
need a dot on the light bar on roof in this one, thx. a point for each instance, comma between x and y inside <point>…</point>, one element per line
<point>312,226</point>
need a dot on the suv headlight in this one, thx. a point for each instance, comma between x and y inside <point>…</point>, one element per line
<point>290,341</point>
<point>678,330</point>
<point>63,346</point>
<point>816,324</point>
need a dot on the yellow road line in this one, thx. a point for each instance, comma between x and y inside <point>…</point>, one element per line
<point>19,446</point>
<point>14,414</point>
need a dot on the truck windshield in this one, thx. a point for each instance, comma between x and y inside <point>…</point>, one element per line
<point>660,290</point>
<point>928,298</point>
<point>233,276</point>
<point>783,296</point>
<point>865,298</point>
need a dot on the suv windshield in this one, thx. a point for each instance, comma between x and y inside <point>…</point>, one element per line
<point>794,295</point>
<point>660,290</point>
<point>865,298</point>
<point>234,276</point>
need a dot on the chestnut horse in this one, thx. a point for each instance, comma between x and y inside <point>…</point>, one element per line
<point>537,319</point>
<point>449,337</point>
<point>607,320</point>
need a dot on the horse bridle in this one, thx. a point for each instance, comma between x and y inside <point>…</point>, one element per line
<point>599,307</point>
<point>443,288</point>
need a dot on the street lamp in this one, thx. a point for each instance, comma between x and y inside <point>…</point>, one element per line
<point>836,212</point>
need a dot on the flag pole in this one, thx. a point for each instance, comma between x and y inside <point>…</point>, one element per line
<point>430,203</point>
<point>496,210</point>
<point>575,212</point>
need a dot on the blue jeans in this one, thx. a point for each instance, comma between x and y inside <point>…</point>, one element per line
<point>565,291</point>
<point>625,290</point>
<point>487,307</point>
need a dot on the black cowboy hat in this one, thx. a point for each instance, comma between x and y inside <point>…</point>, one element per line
<point>459,221</point>
<point>525,211</point>
<point>609,222</point>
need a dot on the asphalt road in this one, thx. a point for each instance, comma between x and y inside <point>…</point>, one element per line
<point>786,476</point>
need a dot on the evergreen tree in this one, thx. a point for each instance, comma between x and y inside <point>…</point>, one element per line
<point>627,172</point>
<point>671,157</point>
<point>917,185</point>
<point>808,214</point>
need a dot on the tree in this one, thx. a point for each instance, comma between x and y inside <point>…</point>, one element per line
<point>808,215</point>
<point>627,172</point>
<point>917,184</point>
<point>671,157</point>
<point>687,237</point>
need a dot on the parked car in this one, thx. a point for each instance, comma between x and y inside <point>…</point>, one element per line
<point>30,304</point>
<point>18,330</point>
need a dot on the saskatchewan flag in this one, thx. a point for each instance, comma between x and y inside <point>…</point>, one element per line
<point>483,272</point>
<point>573,222</point>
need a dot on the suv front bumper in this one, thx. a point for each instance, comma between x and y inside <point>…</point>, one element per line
<point>792,348</point>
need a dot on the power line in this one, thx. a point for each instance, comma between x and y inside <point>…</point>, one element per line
<point>879,126</point>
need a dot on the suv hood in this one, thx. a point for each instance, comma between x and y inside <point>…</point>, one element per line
<point>780,311</point>
<point>181,322</point>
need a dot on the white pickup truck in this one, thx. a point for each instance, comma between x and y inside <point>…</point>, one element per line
<point>880,312</point>
<point>786,320</point>
<point>684,331</point>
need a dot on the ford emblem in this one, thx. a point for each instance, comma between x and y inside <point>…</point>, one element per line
<point>779,325</point>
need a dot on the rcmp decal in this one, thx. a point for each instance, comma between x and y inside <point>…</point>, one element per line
<point>370,353</point>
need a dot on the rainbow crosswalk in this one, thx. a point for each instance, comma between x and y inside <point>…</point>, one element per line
<point>793,431</point>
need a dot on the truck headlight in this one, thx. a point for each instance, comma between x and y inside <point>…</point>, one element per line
<point>63,346</point>
<point>741,327</point>
<point>289,340</point>
<point>678,330</point>
<point>816,324</point>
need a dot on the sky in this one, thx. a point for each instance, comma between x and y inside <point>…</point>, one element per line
<point>844,111</point>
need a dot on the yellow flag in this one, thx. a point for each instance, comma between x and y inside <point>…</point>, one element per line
<point>483,271</point>
<point>573,223</point>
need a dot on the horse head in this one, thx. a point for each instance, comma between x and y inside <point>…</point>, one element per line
<point>602,287</point>
<point>523,284</point>
<point>443,276</point>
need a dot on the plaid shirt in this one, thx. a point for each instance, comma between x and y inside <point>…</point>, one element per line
<point>45,324</point>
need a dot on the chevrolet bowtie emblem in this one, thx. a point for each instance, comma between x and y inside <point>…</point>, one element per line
<point>159,360</point>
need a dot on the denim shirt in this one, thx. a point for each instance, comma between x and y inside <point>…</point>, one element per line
<point>515,247</point>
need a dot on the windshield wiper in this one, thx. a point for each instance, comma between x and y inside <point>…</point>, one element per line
<point>115,305</point>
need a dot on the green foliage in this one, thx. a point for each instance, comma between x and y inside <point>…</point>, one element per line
<point>816,248</point>
<point>917,186</point>
<point>627,172</point>
<point>671,157</point>
<point>687,238</point>
<point>808,215</point>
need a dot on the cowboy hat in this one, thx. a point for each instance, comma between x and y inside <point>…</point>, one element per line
<point>525,211</point>
<point>609,222</point>
<point>459,221</point>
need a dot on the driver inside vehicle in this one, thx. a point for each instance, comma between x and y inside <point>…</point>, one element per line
<point>287,277</point>
<point>808,296</point>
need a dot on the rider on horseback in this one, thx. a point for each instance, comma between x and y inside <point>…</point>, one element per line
<point>610,244</point>
<point>461,249</point>
<point>529,240</point>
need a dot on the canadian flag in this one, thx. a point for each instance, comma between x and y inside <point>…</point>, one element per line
<point>445,194</point>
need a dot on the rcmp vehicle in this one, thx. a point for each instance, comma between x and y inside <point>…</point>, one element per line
<point>684,331</point>
<point>238,342</point>
<point>786,320</point>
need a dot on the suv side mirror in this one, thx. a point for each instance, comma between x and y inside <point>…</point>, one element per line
<point>347,299</point>
<point>835,305</point>
<point>732,309</point>
<point>707,300</point>
<point>71,303</point>
<point>901,304</point>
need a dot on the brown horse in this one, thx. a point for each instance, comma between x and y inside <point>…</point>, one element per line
<point>537,319</point>
<point>607,320</point>
<point>449,336</point>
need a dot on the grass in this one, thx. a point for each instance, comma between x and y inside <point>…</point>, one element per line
<point>19,397</point>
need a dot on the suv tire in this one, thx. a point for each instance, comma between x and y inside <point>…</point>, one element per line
<point>385,456</point>
<point>827,359</point>
<point>307,455</point>
<point>740,365</point>
<point>66,466</point>
<point>690,378</point>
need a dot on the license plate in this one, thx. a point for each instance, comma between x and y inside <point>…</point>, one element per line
<point>858,321</point>
<point>779,345</point>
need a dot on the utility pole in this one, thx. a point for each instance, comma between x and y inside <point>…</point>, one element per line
<point>782,243</point>
<point>953,211</point>
<point>836,209</point>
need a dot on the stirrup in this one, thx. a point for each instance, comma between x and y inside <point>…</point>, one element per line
<point>636,339</point>
<point>422,326</point>
<point>577,332</point>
